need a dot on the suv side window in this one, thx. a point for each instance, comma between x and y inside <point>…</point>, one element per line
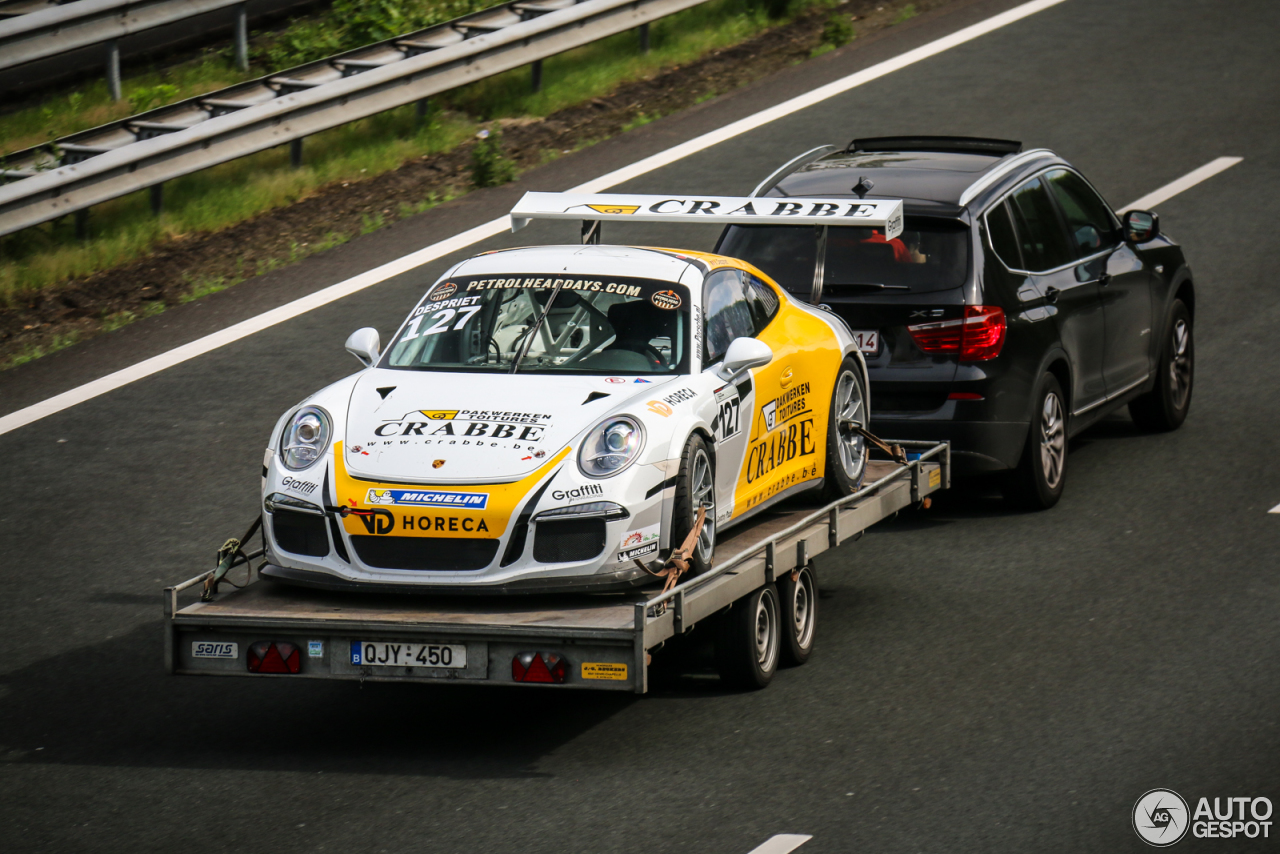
<point>763,302</point>
<point>1089,220</point>
<point>1040,233</point>
<point>727,313</point>
<point>1004,240</point>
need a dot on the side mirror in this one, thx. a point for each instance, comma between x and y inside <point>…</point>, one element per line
<point>743,355</point>
<point>364,344</point>
<point>1141,226</point>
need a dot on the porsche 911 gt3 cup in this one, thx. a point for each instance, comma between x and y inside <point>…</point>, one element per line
<point>552,418</point>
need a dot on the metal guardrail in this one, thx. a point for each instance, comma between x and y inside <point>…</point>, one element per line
<point>84,169</point>
<point>58,29</point>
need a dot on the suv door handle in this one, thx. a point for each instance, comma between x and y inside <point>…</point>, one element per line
<point>1051,294</point>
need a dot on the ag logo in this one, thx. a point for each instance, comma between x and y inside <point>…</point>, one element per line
<point>439,414</point>
<point>666,299</point>
<point>788,376</point>
<point>445,291</point>
<point>1160,817</point>
<point>376,521</point>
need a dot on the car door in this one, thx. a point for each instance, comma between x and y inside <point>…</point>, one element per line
<point>1072,288</point>
<point>1124,284</point>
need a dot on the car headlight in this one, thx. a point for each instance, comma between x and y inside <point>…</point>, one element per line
<point>305,438</point>
<point>611,446</point>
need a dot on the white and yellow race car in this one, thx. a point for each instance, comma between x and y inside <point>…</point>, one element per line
<point>552,418</point>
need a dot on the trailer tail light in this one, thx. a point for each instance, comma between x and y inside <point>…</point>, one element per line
<point>539,667</point>
<point>274,657</point>
<point>975,337</point>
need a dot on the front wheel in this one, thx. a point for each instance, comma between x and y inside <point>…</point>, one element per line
<point>847,450</point>
<point>695,487</point>
<point>1041,475</point>
<point>1165,407</point>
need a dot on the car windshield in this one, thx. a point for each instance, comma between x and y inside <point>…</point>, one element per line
<point>929,255</point>
<point>538,323</point>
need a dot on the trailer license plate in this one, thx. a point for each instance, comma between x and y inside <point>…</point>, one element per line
<point>868,340</point>
<point>214,649</point>
<point>383,654</point>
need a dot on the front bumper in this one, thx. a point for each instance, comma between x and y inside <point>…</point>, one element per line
<point>608,582</point>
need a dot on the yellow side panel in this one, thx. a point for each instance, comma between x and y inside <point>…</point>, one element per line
<point>411,510</point>
<point>788,440</point>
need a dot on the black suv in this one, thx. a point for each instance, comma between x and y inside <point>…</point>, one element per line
<point>1014,310</point>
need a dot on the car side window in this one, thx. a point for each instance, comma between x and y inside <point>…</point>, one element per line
<point>1040,233</point>
<point>1089,219</point>
<point>726,311</point>
<point>1004,240</point>
<point>763,301</point>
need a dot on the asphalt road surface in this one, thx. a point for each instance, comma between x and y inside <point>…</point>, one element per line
<point>984,680</point>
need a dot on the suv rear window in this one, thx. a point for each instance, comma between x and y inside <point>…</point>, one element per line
<point>930,255</point>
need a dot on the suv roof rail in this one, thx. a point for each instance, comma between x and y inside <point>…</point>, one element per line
<point>1001,170</point>
<point>790,166</point>
<point>960,144</point>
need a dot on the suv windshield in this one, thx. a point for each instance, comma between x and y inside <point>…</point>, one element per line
<point>539,323</point>
<point>929,255</point>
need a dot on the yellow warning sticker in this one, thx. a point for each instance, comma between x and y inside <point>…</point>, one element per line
<point>935,477</point>
<point>604,670</point>
<point>614,209</point>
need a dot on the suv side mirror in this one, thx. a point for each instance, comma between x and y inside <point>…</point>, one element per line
<point>364,344</point>
<point>1141,226</point>
<point>743,355</point>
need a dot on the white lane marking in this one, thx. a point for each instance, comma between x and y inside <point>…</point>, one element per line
<point>1186,182</point>
<point>158,363</point>
<point>1275,509</point>
<point>783,843</point>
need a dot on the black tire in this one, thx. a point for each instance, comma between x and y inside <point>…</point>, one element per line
<point>847,451</point>
<point>799,602</point>
<point>1041,475</point>
<point>748,640</point>
<point>1165,407</point>
<point>684,508</point>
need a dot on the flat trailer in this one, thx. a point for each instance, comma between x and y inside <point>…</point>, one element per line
<point>600,641</point>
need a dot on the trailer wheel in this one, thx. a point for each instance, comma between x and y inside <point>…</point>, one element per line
<point>799,614</point>
<point>748,640</point>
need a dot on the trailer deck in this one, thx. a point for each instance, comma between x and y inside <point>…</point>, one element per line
<point>603,638</point>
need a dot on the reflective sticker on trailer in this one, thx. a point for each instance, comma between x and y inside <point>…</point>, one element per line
<point>935,477</point>
<point>604,670</point>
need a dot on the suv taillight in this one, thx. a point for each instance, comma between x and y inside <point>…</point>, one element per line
<point>975,337</point>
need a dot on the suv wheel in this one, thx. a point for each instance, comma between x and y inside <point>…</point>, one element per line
<point>1038,481</point>
<point>1165,407</point>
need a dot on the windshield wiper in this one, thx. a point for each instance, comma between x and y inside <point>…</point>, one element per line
<point>529,334</point>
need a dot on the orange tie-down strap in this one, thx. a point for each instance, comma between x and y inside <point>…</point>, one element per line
<point>678,563</point>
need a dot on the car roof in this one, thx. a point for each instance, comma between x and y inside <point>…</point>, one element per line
<point>930,182</point>
<point>579,259</point>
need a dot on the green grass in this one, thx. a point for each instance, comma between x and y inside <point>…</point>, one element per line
<point>33,352</point>
<point>908,12</point>
<point>124,230</point>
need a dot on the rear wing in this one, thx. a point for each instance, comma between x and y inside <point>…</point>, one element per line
<point>741,210</point>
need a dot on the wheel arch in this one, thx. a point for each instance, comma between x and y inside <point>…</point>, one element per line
<point>1058,365</point>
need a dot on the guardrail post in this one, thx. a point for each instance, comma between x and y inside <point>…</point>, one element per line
<point>536,74</point>
<point>242,37</point>
<point>420,112</point>
<point>113,70</point>
<point>295,153</point>
<point>157,198</point>
<point>82,225</point>
<point>644,38</point>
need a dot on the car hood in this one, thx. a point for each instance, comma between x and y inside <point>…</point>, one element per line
<point>435,427</point>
